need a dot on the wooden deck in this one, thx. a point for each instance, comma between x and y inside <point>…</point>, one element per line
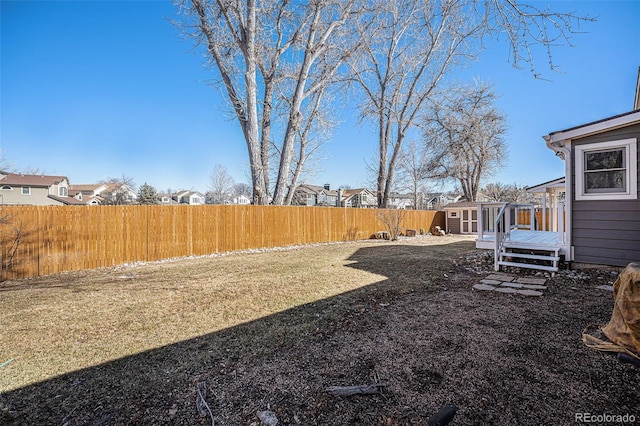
<point>533,239</point>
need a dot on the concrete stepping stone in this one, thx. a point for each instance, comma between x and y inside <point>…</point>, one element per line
<point>512,285</point>
<point>534,287</point>
<point>530,292</point>
<point>491,282</point>
<point>507,290</point>
<point>499,277</point>
<point>605,287</point>
<point>528,280</point>
<point>484,287</point>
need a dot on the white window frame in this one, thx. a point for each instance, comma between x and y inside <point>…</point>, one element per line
<point>27,192</point>
<point>631,170</point>
<point>453,214</point>
<point>63,191</point>
<point>6,188</point>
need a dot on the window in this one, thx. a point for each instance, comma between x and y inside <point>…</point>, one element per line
<point>26,190</point>
<point>607,170</point>
<point>62,191</point>
<point>7,188</point>
<point>452,213</point>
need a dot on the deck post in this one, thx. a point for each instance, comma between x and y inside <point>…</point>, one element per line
<point>481,222</point>
<point>544,211</point>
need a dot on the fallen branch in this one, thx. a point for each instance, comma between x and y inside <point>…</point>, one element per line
<point>372,389</point>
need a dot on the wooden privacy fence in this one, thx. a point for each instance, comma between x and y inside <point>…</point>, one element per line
<point>43,240</point>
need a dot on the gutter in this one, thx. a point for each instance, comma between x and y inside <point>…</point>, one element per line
<point>562,148</point>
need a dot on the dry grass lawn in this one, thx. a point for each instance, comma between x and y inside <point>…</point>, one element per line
<point>273,329</point>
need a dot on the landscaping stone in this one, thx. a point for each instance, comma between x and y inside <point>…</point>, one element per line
<point>484,287</point>
<point>605,287</point>
<point>530,292</point>
<point>491,282</point>
<point>507,290</point>
<point>512,285</point>
<point>534,287</point>
<point>499,277</point>
<point>528,280</point>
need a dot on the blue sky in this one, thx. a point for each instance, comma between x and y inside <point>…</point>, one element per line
<point>97,89</point>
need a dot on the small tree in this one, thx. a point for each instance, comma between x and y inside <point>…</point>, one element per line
<point>392,220</point>
<point>147,194</point>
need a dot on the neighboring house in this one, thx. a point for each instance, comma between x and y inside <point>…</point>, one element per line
<point>602,175</point>
<point>436,201</point>
<point>241,200</point>
<point>193,198</point>
<point>313,195</point>
<point>36,190</point>
<point>462,217</point>
<point>94,194</point>
<point>89,194</point>
<point>166,199</point>
<point>402,201</point>
<point>360,198</point>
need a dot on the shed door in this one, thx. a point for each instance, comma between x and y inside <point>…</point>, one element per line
<point>469,221</point>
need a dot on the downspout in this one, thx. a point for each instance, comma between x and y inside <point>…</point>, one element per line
<point>562,148</point>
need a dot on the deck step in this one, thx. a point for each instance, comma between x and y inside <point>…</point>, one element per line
<point>530,256</point>
<point>528,265</point>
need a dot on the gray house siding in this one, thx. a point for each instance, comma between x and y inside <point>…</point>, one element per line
<point>606,232</point>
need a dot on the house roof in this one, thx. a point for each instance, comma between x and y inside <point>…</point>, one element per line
<point>605,124</point>
<point>461,204</point>
<point>68,200</point>
<point>316,189</point>
<point>20,179</point>
<point>542,187</point>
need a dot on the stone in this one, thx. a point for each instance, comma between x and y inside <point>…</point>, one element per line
<point>534,287</point>
<point>530,292</point>
<point>527,280</point>
<point>605,287</point>
<point>507,290</point>
<point>491,282</point>
<point>512,285</point>
<point>500,277</point>
<point>484,287</point>
<point>267,418</point>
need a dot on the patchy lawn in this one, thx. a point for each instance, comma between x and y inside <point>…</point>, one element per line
<point>272,330</point>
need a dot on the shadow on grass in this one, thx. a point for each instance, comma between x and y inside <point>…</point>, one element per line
<point>144,387</point>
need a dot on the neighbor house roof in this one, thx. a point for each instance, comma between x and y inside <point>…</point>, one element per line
<point>20,179</point>
<point>67,200</point>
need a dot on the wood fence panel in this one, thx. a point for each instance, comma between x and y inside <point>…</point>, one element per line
<point>53,239</point>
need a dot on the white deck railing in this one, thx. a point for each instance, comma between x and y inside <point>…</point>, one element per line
<point>496,221</point>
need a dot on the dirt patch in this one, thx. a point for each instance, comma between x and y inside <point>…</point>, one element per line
<point>405,311</point>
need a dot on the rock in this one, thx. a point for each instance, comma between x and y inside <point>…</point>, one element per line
<point>507,290</point>
<point>267,418</point>
<point>484,287</point>
<point>512,285</point>
<point>530,292</point>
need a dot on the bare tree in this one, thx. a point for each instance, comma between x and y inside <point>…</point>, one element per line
<point>495,191</point>
<point>465,137</point>
<point>414,44</point>
<point>415,168</point>
<point>5,165</point>
<point>220,183</point>
<point>241,189</point>
<point>260,49</point>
